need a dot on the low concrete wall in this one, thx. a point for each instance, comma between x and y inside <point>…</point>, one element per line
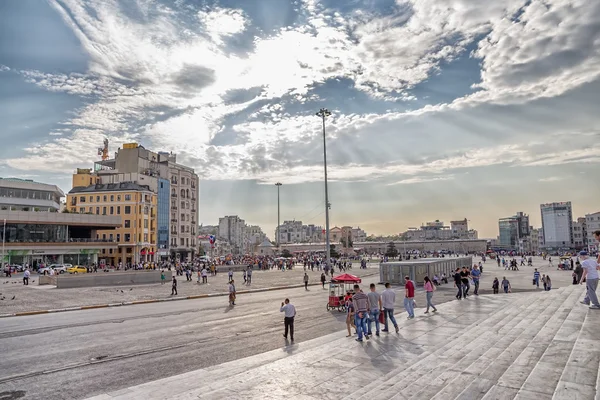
<point>109,279</point>
<point>47,280</point>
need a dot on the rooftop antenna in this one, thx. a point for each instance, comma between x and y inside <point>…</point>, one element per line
<point>103,151</point>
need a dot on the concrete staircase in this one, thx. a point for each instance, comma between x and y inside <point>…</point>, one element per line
<point>543,346</point>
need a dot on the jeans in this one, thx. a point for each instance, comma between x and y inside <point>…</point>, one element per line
<point>536,282</point>
<point>429,303</point>
<point>476,284</point>
<point>408,305</point>
<point>590,296</point>
<point>361,324</point>
<point>389,313</point>
<point>466,288</point>
<point>373,316</point>
<point>459,295</point>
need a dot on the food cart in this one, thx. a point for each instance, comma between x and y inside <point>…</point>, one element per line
<point>338,287</point>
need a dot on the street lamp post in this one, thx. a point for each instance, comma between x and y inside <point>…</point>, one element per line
<point>278,184</point>
<point>3,240</point>
<point>324,113</point>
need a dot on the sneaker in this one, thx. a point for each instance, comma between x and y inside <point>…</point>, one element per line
<point>435,310</point>
<point>397,330</point>
<point>358,340</point>
<point>376,333</point>
<point>367,337</point>
<point>595,307</point>
<point>384,330</point>
<point>583,302</point>
<point>426,312</point>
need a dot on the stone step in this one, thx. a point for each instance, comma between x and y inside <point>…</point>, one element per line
<point>506,345</point>
<point>528,349</point>
<point>499,321</point>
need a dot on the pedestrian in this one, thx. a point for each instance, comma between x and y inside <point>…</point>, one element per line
<point>458,284</point>
<point>536,278</point>
<point>465,276</point>
<point>350,316</point>
<point>230,274</point>
<point>590,274</point>
<point>475,275</point>
<point>323,279</point>
<point>429,289</point>
<point>174,287</point>
<point>548,283</point>
<point>374,309</point>
<point>288,320</point>
<point>204,274</point>
<point>245,277</point>
<point>249,276</point>
<point>361,306</point>
<point>231,293</point>
<point>26,275</point>
<point>388,298</point>
<point>505,285</point>
<point>305,281</point>
<point>162,277</point>
<point>495,285</point>
<point>409,297</point>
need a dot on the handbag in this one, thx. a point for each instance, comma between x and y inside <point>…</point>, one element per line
<point>381,317</point>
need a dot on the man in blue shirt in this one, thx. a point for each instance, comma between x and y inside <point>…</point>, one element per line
<point>536,278</point>
<point>475,274</point>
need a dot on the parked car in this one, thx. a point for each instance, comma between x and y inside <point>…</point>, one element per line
<point>59,268</point>
<point>17,267</point>
<point>77,270</point>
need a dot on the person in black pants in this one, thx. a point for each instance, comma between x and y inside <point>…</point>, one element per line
<point>288,320</point>
<point>458,283</point>
<point>174,287</point>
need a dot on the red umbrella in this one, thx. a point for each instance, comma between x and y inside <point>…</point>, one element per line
<point>346,278</point>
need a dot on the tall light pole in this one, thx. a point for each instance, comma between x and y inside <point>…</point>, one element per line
<point>324,113</point>
<point>278,184</point>
<point>3,240</point>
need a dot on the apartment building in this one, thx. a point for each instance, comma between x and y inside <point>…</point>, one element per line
<point>136,205</point>
<point>26,195</point>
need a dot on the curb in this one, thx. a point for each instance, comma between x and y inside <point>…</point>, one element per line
<point>136,302</point>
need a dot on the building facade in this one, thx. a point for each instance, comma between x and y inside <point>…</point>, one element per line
<point>232,229</point>
<point>592,223</point>
<point>580,234</point>
<point>297,232</point>
<point>184,210</point>
<point>509,233</point>
<point>436,230</point>
<point>36,238</point>
<point>557,225</point>
<point>26,195</point>
<point>136,206</point>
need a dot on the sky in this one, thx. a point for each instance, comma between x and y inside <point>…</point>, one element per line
<point>440,109</point>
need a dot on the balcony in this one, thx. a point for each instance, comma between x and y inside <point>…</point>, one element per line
<point>173,220</point>
<point>173,207</point>
<point>173,194</point>
<point>193,210</point>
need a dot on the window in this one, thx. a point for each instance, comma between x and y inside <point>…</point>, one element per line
<point>91,199</point>
<point>110,251</point>
<point>127,209</point>
<point>110,237</point>
<point>127,197</point>
<point>182,242</point>
<point>146,223</point>
<point>146,210</point>
<point>91,210</point>
<point>82,199</point>
<point>183,204</point>
<point>127,237</point>
<point>104,236</point>
<point>182,228</point>
<point>182,216</point>
<point>118,197</point>
<point>129,249</point>
<point>104,198</point>
<point>82,210</point>
<point>145,238</point>
<point>127,223</point>
<point>97,199</point>
<point>103,210</point>
<point>118,210</point>
<point>140,223</point>
<point>118,237</point>
<point>139,237</point>
<point>112,210</point>
<point>98,210</point>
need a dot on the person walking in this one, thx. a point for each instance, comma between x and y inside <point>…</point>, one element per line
<point>26,275</point>
<point>590,275</point>
<point>409,297</point>
<point>305,281</point>
<point>505,284</point>
<point>374,309</point>
<point>230,275</point>
<point>174,287</point>
<point>350,316</point>
<point>361,306</point>
<point>323,279</point>
<point>465,276</point>
<point>388,298</point>
<point>231,293</point>
<point>548,283</point>
<point>458,284</point>
<point>536,278</point>
<point>495,285</point>
<point>288,320</point>
<point>162,277</point>
<point>204,274</point>
<point>475,275</point>
<point>429,289</point>
<point>249,276</point>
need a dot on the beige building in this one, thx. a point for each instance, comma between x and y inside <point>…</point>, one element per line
<point>136,207</point>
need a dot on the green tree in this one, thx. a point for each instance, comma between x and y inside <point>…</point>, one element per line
<point>333,251</point>
<point>286,253</point>
<point>391,250</point>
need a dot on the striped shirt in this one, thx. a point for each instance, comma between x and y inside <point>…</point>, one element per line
<point>361,302</point>
<point>536,275</point>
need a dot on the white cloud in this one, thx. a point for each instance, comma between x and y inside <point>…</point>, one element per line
<point>422,179</point>
<point>221,23</point>
<point>551,179</point>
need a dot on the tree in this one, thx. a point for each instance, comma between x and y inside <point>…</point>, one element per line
<point>286,253</point>
<point>391,250</point>
<point>333,252</point>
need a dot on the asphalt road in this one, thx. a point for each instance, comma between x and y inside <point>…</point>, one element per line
<point>74,355</point>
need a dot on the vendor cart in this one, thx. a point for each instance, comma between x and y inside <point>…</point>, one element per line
<point>338,287</point>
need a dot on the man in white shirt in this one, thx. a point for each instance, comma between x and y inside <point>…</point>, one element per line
<point>26,275</point>
<point>288,320</point>
<point>388,298</point>
<point>590,275</point>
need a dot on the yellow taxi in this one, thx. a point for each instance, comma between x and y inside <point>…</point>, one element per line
<point>77,270</point>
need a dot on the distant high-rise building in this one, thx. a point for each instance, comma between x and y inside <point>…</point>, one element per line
<point>592,224</point>
<point>509,232</point>
<point>580,234</point>
<point>233,230</point>
<point>557,225</point>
